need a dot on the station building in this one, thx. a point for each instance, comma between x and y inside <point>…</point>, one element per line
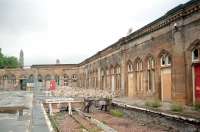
<point>161,60</point>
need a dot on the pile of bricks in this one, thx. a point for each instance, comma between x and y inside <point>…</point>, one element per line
<point>80,92</point>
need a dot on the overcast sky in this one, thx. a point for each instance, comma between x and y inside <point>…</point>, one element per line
<point>71,30</point>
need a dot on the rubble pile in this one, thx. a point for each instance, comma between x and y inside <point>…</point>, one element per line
<point>81,92</point>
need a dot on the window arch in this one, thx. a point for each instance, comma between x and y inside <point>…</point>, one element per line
<point>13,79</point>
<point>5,77</point>
<point>31,78</point>
<point>117,69</point>
<point>40,78</point>
<point>48,77</point>
<point>150,74</point>
<point>139,74</point>
<point>150,62</point>
<point>165,60</point>
<point>112,70</point>
<point>117,80</point>
<point>130,66</point>
<point>65,79</point>
<point>65,76</point>
<point>195,54</point>
<point>139,65</point>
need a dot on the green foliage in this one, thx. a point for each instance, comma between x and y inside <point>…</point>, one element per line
<point>176,107</point>
<point>116,113</point>
<point>8,62</point>
<point>197,106</point>
<point>153,103</point>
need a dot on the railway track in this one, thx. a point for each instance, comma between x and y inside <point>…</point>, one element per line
<point>73,123</point>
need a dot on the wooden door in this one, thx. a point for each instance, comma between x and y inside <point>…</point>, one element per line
<point>130,85</point>
<point>113,83</point>
<point>166,84</point>
<point>117,85</point>
<point>197,82</point>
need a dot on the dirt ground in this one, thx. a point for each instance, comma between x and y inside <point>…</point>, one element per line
<point>122,124</point>
<point>70,125</point>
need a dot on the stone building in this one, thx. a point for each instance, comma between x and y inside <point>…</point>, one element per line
<point>161,60</point>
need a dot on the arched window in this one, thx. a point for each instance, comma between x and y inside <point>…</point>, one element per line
<point>139,75</point>
<point>13,79</point>
<point>31,78</point>
<point>151,74</point>
<point>65,78</point>
<point>74,77</point>
<point>118,80</point>
<point>48,77</point>
<point>39,78</point>
<point>165,60</point>
<point>5,77</point>
<point>117,70</point>
<point>139,66</point>
<point>195,55</point>
<point>151,63</point>
<point>130,67</point>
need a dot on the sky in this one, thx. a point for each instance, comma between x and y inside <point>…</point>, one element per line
<point>71,30</point>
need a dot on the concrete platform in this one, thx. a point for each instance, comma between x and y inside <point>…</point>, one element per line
<point>15,111</point>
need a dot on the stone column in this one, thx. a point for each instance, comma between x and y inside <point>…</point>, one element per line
<point>178,65</point>
<point>123,73</point>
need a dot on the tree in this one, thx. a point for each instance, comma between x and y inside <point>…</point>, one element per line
<point>8,62</point>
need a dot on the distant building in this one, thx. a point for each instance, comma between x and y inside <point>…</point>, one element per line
<point>57,61</point>
<point>21,58</point>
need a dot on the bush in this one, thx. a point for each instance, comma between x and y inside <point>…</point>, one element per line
<point>197,106</point>
<point>176,107</point>
<point>153,103</point>
<point>116,113</point>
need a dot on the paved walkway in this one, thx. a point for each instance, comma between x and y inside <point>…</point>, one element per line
<point>38,122</point>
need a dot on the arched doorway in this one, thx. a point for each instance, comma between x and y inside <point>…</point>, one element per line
<point>138,75</point>
<point>166,79</point>
<point>150,75</point>
<point>131,87</point>
<point>196,73</point>
<point>112,70</point>
<point>117,80</point>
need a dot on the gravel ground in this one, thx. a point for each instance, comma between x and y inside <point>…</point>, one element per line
<point>159,122</point>
<point>122,124</point>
